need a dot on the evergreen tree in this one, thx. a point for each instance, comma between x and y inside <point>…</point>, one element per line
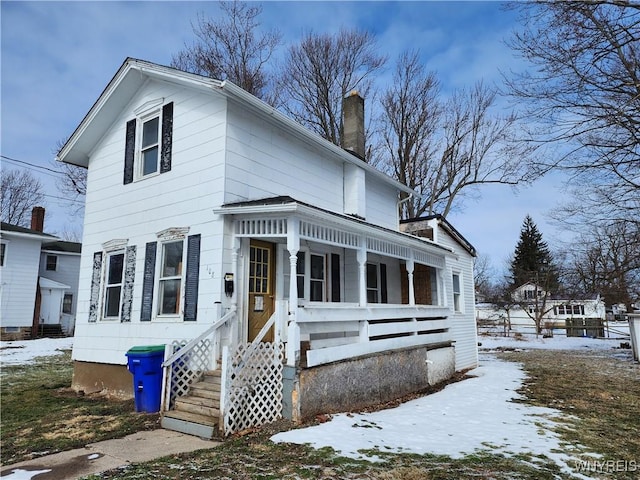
<point>532,260</point>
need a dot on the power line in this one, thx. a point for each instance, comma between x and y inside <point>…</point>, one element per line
<point>33,165</point>
<point>63,198</point>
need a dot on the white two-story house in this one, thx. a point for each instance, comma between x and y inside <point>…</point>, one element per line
<point>254,248</point>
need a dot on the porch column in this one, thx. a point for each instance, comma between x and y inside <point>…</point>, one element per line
<point>412,293</point>
<point>293,330</point>
<point>235,252</point>
<point>362,263</point>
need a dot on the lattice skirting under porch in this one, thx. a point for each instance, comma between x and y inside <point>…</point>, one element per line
<point>188,368</point>
<point>253,386</point>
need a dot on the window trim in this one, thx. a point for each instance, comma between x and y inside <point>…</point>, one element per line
<point>67,295</point>
<point>158,294</point>
<point>458,297</point>
<point>106,285</point>
<point>140,150</point>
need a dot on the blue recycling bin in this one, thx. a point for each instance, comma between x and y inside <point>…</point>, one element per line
<point>145,363</point>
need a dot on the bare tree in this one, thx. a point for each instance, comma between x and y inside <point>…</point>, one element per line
<point>232,48</point>
<point>320,71</point>
<point>445,150</point>
<point>21,191</point>
<point>582,97</point>
<point>607,261</point>
<point>411,115</point>
<point>72,183</point>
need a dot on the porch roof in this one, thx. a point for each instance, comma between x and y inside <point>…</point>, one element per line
<point>334,228</point>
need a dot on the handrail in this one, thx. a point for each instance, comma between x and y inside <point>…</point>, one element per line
<point>254,344</point>
<point>192,343</point>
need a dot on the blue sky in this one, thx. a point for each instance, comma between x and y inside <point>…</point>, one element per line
<point>57,57</point>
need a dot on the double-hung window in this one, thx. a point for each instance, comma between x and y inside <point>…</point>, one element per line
<point>317,278</point>
<point>149,146</point>
<point>457,303</point>
<point>376,283</point>
<point>148,141</point>
<point>113,285</point>
<point>170,278</point>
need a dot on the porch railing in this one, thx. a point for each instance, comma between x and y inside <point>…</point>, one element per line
<point>329,333</point>
<point>251,393</point>
<point>186,361</point>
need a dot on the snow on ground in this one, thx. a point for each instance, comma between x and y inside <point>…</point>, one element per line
<point>553,343</point>
<point>472,415</point>
<point>24,352</point>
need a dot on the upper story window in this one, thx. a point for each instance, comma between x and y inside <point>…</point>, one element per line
<point>3,252</point>
<point>52,263</point>
<point>148,141</point>
<point>149,146</point>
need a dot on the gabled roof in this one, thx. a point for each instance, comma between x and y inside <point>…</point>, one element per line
<point>131,76</point>
<point>22,231</point>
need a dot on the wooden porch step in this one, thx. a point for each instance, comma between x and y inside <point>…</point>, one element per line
<point>190,423</point>
<point>197,405</point>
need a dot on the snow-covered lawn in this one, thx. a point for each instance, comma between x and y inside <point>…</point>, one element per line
<point>24,352</point>
<point>475,414</point>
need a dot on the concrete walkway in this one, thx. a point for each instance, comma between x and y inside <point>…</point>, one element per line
<point>106,455</point>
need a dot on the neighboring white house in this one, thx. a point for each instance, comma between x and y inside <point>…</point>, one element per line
<point>59,272</point>
<point>582,313</point>
<point>213,219</point>
<point>34,290</point>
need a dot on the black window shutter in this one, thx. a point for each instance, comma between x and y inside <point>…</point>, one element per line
<point>335,277</point>
<point>191,282</point>
<point>148,281</point>
<point>95,287</point>
<point>129,151</point>
<point>167,138</point>
<point>129,277</point>
<point>383,283</point>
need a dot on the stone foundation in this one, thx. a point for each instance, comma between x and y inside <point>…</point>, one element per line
<point>114,380</point>
<point>354,384</point>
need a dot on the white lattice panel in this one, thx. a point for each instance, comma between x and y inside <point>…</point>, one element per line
<point>188,368</point>
<point>254,390</point>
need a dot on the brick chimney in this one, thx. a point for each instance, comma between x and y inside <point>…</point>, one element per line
<point>37,219</point>
<point>353,124</point>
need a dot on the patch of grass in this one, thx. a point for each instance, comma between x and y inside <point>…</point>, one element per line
<point>42,415</point>
<point>598,392</point>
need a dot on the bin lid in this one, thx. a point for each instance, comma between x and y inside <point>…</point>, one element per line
<point>145,349</point>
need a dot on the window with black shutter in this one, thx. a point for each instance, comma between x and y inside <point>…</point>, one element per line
<point>148,144</point>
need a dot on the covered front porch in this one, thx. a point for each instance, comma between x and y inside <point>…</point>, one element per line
<point>315,293</point>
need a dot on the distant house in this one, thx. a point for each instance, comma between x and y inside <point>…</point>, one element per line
<point>576,312</point>
<point>59,274</point>
<point>260,254</point>
<point>39,280</point>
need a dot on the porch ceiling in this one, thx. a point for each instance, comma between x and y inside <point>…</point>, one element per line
<point>272,217</point>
